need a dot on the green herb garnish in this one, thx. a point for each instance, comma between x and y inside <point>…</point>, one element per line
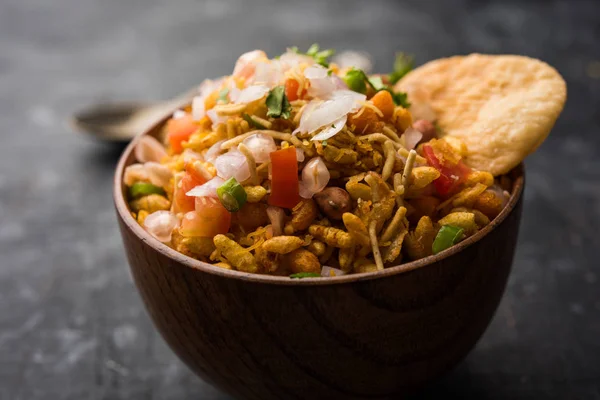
<point>223,95</point>
<point>402,66</point>
<point>320,56</point>
<point>400,98</point>
<point>252,122</point>
<point>447,237</point>
<point>357,81</point>
<point>232,195</point>
<point>140,189</point>
<point>301,275</point>
<point>278,105</point>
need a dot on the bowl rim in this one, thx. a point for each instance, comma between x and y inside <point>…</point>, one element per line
<point>131,224</point>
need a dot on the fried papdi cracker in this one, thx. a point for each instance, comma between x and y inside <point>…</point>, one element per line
<point>501,106</point>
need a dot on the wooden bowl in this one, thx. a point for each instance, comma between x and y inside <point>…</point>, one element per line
<point>364,336</point>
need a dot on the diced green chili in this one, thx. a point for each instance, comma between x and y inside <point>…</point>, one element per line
<point>301,275</point>
<point>447,237</point>
<point>232,195</point>
<point>140,189</point>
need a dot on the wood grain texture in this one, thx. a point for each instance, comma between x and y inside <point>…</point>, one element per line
<point>364,336</point>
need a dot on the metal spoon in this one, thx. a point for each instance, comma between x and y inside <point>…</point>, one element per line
<point>120,122</point>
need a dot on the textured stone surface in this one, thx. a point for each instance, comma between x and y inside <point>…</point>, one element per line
<point>71,323</point>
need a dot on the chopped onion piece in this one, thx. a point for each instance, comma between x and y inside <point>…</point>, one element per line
<point>269,73</point>
<point>179,114</point>
<point>198,108</point>
<point>332,130</point>
<point>246,63</point>
<point>328,272</point>
<point>149,149</point>
<point>135,173</point>
<point>315,177</point>
<point>320,113</point>
<point>190,155</point>
<point>412,137</point>
<point>232,164</point>
<point>292,59</point>
<point>216,118</point>
<point>299,154</point>
<point>249,94</point>
<point>321,85</point>
<point>276,217</point>
<point>260,145</point>
<point>208,189</point>
<point>158,174</point>
<point>355,59</point>
<point>214,151</point>
<point>160,224</point>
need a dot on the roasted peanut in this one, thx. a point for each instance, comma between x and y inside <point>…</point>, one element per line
<point>255,193</point>
<point>303,214</point>
<point>150,203</point>
<point>251,216</point>
<point>199,246</point>
<point>282,244</point>
<point>464,220</point>
<point>240,258</point>
<point>316,247</point>
<point>332,236</point>
<point>333,202</point>
<point>302,260</point>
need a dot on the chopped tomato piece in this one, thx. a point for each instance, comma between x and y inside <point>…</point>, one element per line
<point>291,90</point>
<point>180,130</point>
<point>451,175</point>
<point>196,175</point>
<point>210,218</point>
<point>183,202</point>
<point>284,180</point>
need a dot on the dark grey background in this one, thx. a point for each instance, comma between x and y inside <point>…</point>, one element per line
<point>71,323</point>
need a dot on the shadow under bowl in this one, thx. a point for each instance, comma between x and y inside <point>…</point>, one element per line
<point>364,336</point>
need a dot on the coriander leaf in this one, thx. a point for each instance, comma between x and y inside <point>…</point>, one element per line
<point>301,275</point>
<point>402,66</point>
<point>278,105</point>
<point>356,80</point>
<point>223,95</point>
<point>400,98</point>
<point>252,122</point>
<point>377,83</point>
<point>329,72</point>
<point>312,50</point>
<point>294,49</point>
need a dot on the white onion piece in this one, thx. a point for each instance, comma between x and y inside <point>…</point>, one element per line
<point>412,137</point>
<point>215,118</point>
<point>160,224</point>
<point>250,94</point>
<point>149,149</point>
<point>315,177</point>
<point>232,164</point>
<point>355,59</point>
<point>500,193</point>
<point>179,114</point>
<point>208,189</point>
<point>260,145</point>
<point>269,73</point>
<point>158,174</point>
<point>214,151</point>
<point>208,86</point>
<point>321,85</point>
<point>328,272</point>
<point>245,64</point>
<point>332,130</point>
<point>299,154</point>
<point>276,217</point>
<point>197,108</point>
<point>292,59</point>
<point>190,155</point>
<point>320,113</point>
<point>339,83</point>
<point>135,173</point>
